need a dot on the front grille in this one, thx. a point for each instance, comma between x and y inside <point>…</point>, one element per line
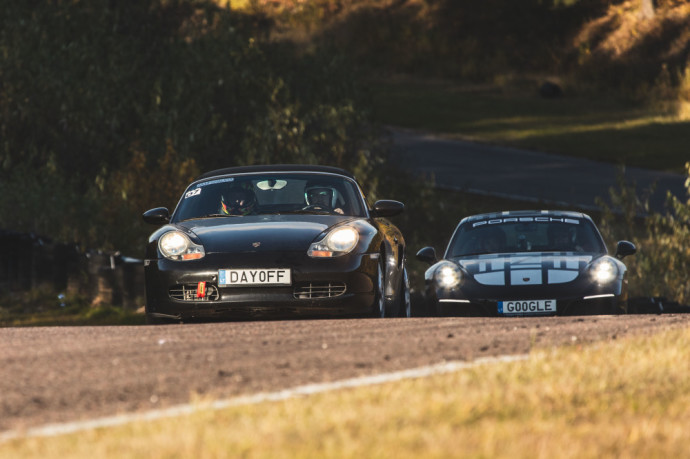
<point>187,292</point>
<point>319,290</point>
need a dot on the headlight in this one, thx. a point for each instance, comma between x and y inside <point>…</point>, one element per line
<point>448,275</point>
<point>603,271</point>
<point>336,243</point>
<point>175,245</point>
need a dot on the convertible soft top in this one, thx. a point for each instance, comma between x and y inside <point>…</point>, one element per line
<point>276,168</point>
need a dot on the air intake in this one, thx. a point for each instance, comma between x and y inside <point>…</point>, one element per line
<point>319,290</point>
<point>188,292</point>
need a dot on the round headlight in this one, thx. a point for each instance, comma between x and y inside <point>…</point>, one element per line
<point>336,243</point>
<point>448,275</point>
<point>342,240</point>
<point>604,271</point>
<point>173,244</point>
<point>176,245</point>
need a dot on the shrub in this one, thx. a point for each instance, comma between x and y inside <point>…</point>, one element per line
<point>661,266</point>
<point>110,108</point>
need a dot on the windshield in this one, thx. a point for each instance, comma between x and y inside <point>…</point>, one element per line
<point>276,193</point>
<point>526,234</point>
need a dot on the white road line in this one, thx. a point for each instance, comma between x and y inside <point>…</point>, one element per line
<point>51,430</point>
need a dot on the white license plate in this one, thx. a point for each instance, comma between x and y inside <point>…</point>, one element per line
<point>526,307</point>
<point>251,277</point>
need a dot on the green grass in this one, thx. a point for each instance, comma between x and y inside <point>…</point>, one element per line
<point>604,129</point>
<point>101,315</point>
<point>42,307</point>
<point>622,398</point>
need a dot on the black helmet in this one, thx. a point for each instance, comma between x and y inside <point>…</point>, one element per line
<point>238,201</point>
<point>561,236</point>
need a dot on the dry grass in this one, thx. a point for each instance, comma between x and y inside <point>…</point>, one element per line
<point>625,398</point>
<point>630,29</point>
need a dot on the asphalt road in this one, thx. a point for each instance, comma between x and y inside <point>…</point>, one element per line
<point>522,175</point>
<point>61,374</point>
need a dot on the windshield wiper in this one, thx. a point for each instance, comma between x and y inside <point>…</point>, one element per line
<point>472,254</point>
<point>209,216</point>
<point>303,211</point>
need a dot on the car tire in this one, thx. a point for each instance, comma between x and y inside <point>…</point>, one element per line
<point>378,309</point>
<point>404,308</point>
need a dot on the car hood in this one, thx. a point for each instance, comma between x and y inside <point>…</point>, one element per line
<point>525,268</point>
<point>261,233</point>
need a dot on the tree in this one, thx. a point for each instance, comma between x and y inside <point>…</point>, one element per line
<point>648,10</point>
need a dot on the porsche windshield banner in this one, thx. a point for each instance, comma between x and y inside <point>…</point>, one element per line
<point>498,221</point>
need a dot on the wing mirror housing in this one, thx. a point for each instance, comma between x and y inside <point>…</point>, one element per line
<point>625,248</point>
<point>427,255</point>
<point>157,216</point>
<point>387,208</point>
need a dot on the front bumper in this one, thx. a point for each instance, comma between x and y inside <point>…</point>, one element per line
<point>581,297</point>
<point>336,286</point>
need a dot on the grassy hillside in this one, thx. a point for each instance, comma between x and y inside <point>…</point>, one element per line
<point>474,70</point>
<point>601,128</point>
<point>600,45</point>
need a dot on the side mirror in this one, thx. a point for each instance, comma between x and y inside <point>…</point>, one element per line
<point>427,255</point>
<point>157,216</point>
<point>387,208</point>
<point>625,248</point>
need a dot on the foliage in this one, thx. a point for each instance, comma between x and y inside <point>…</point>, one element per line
<point>43,307</point>
<point>669,236</point>
<point>129,190</point>
<point>590,45</point>
<point>644,57</point>
<point>110,108</point>
<point>471,40</point>
<point>661,266</point>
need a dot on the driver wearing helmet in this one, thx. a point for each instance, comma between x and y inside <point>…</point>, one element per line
<point>238,201</point>
<point>493,240</point>
<point>563,238</point>
<point>322,197</point>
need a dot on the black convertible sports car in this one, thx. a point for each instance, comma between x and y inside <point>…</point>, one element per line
<point>524,263</point>
<point>285,239</point>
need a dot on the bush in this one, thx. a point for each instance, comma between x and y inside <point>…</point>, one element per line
<point>594,45</point>
<point>661,266</point>
<point>110,108</point>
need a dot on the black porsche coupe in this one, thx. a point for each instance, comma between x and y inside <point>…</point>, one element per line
<point>274,241</point>
<point>524,263</point>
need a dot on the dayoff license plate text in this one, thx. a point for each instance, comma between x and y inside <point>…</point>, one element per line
<point>250,277</point>
<point>526,307</point>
